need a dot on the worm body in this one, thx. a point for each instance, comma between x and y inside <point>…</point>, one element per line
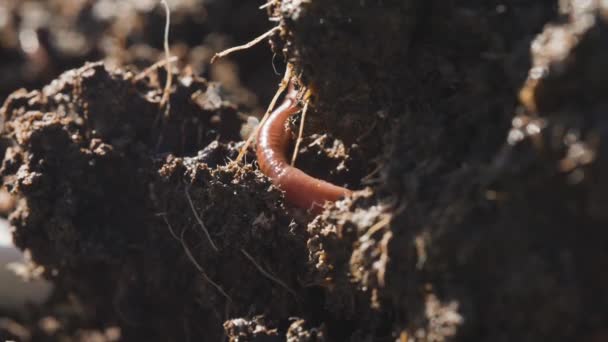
<point>300,189</point>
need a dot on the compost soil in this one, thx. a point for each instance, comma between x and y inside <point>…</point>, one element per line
<point>472,131</point>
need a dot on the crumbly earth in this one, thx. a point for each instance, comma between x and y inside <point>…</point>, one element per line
<point>473,132</point>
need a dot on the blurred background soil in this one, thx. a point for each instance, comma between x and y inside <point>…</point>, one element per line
<point>41,39</point>
<point>474,132</point>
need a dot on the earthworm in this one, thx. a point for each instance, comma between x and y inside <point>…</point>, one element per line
<point>301,189</point>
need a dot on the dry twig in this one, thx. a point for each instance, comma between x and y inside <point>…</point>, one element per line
<point>282,87</point>
<point>301,130</point>
<point>244,46</point>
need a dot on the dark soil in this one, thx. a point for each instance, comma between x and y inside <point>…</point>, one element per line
<point>473,131</point>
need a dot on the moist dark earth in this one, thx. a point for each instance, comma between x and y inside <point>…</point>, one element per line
<point>473,133</point>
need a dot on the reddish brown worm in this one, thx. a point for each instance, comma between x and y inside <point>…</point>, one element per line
<point>300,189</point>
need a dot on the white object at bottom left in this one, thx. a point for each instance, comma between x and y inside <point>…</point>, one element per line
<point>15,292</point>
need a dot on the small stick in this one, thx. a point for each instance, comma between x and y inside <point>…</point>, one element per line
<point>301,130</point>
<point>201,269</point>
<point>167,91</point>
<point>268,275</point>
<point>282,87</point>
<point>244,46</point>
<point>199,220</point>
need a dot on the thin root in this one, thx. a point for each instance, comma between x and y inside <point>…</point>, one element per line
<point>266,4</point>
<point>282,87</point>
<point>376,227</point>
<point>244,46</point>
<point>301,130</point>
<point>153,67</point>
<point>267,274</point>
<point>369,178</point>
<point>171,231</point>
<point>199,220</point>
<point>167,91</point>
<point>201,269</point>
